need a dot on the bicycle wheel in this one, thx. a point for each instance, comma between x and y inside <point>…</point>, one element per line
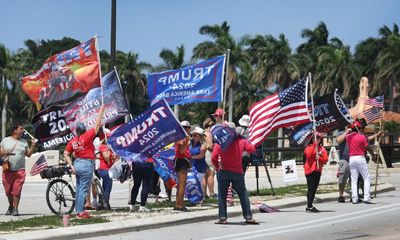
<point>60,197</point>
<point>101,199</point>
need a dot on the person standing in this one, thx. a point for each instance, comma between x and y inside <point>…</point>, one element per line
<point>358,147</point>
<point>210,173</point>
<point>107,159</point>
<point>142,176</point>
<point>14,149</point>
<point>182,165</point>
<point>198,151</point>
<point>343,172</point>
<point>230,172</point>
<point>312,172</point>
<point>83,149</point>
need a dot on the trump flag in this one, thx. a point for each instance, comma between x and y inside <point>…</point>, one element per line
<point>286,108</point>
<point>64,75</point>
<point>202,82</point>
<point>145,135</point>
<point>85,109</point>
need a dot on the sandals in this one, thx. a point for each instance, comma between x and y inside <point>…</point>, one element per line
<point>221,221</point>
<point>251,221</point>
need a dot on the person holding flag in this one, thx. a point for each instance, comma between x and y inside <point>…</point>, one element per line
<point>312,170</point>
<point>14,149</point>
<point>83,149</point>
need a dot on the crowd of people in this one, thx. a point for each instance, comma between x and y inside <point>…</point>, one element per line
<point>199,151</point>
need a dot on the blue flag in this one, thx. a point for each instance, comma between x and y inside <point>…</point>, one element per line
<point>164,165</point>
<point>223,135</point>
<point>202,82</point>
<point>147,133</point>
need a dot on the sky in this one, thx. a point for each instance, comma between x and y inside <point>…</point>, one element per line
<point>146,27</point>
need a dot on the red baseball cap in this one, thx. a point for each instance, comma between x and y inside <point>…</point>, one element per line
<point>219,112</point>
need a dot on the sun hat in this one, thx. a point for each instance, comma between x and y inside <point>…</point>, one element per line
<point>244,121</point>
<point>197,130</point>
<point>219,112</point>
<point>185,124</point>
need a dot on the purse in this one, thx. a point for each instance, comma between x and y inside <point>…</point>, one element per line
<point>6,165</point>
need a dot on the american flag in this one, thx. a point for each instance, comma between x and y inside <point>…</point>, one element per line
<point>372,114</point>
<point>39,165</point>
<point>375,102</point>
<point>286,108</point>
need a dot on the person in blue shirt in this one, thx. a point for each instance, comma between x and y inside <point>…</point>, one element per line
<point>198,150</point>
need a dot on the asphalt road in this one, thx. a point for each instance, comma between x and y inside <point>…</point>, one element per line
<point>335,221</point>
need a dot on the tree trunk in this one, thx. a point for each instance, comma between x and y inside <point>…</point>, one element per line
<point>4,117</point>
<point>391,95</point>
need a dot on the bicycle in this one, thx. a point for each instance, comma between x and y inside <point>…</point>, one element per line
<point>60,192</point>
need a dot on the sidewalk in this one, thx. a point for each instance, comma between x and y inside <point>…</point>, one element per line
<point>132,222</point>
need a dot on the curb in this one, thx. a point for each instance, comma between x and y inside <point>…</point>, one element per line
<point>102,229</point>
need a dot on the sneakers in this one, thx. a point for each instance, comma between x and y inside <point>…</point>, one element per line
<point>9,211</point>
<point>15,212</point>
<point>312,210</point>
<point>341,199</point>
<point>132,208</point>
<point>83,215</point>
<point>368,202</point>
<point>143,209</point>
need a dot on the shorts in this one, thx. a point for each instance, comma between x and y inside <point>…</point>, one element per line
<point>344,171</point>
<point>182,164</point>
<point>13,182</point>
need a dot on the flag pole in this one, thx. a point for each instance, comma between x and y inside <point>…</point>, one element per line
<point>309,77</point>
<point>228,52</point>
<point>100,77</point>
<point>378,150</point>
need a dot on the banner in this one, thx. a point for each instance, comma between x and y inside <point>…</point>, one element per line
<point>164,165</point>
<point>193,191</point>
<point>202,82</point>
<point>50,128</point>
<point>64,75</point>
<point>289,171</point>
<point>85,109</point>
<point>147,133</point>
<point>330,114</point>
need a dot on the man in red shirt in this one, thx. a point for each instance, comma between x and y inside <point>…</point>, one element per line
<point>358,147</point>
<point>182,164</point>
<point>83,149</point>
<point>230,171</point>
<point>107,159</point>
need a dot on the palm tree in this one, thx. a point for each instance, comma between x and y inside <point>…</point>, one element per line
<point>222,41</point>
<point>4,56</point>
<point>316,38</point>
<point>133,80</point>
<point>335,69</point>
<point>273,62</point>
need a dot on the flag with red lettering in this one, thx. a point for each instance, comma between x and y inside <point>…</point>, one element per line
<point>286,108</point>
<point>64,75</point>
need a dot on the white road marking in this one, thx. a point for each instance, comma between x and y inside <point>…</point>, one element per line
<point>309,224</point>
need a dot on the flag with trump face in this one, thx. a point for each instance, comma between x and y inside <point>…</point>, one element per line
<point>286,108</point>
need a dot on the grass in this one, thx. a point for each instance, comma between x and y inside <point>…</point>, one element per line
<point>45,222</point>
